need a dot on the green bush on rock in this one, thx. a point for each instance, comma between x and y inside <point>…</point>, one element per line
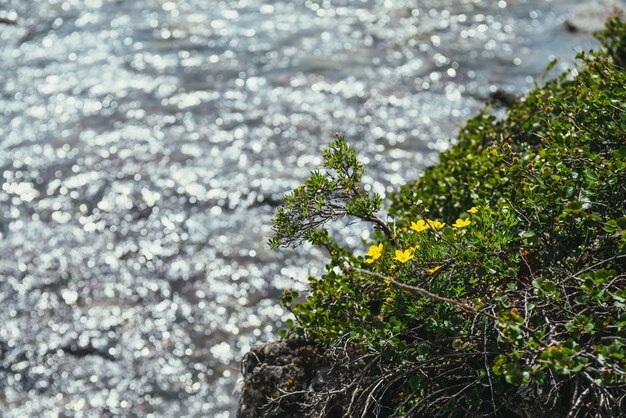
<point>500,289</point>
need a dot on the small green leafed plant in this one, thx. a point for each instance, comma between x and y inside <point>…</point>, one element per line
<point>501,287</point>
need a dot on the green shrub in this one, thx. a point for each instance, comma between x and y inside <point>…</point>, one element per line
<point>500,286</point>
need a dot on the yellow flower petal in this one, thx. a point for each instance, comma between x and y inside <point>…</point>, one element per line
<point>434,269</point>
<point>436,224</point>
<point>374,252</point>
<point>404,256</point>
<point>419,226</point>
<point>461,223</point>
<point>473,210</point>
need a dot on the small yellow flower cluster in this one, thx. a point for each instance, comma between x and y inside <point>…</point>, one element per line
<point>462,223</point>
<point>403,256</point>
<point>376,251</point>
<point>422,225</point>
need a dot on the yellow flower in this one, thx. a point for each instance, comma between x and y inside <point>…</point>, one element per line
<point>434,269</point>
<point>473,210</point>
<point>419,226</point>
<point>404,256</point>
<point>375,252</point>
<point>460,223</point>
<point>436,224</point>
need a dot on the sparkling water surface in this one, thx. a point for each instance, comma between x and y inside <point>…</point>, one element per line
<point>145,144</point>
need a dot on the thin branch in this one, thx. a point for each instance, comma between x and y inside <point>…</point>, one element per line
<point>421,291</point>
<point>431,295</point>
<point>383,226</point>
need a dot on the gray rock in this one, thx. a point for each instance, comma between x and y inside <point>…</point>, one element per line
<point>277,378</point>
<point>590,16</point>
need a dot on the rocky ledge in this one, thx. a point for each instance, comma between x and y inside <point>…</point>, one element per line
<point>296,378</point>
<point>278,376</point>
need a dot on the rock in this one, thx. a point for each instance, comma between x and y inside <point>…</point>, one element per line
<point>590,16</point>
<point>277,377</point>
<point>503,98</point>
<point>8,17</point>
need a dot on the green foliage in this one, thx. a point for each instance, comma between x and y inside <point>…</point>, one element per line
<point>613,40</point>
<point>504,285</point>
<point>324,197</point>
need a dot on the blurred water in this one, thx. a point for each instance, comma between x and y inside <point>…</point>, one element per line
<point>144,145</point>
